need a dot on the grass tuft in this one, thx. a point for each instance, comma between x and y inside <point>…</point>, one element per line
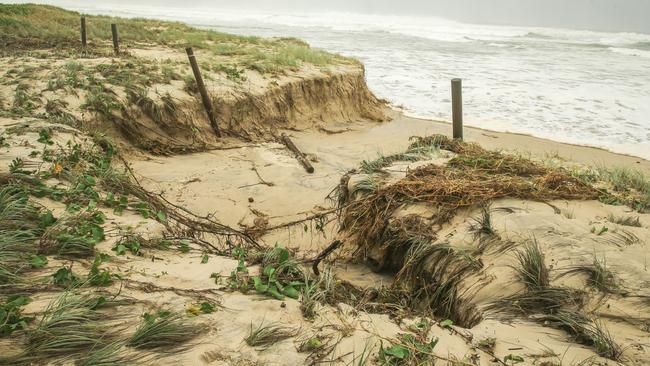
<point>598,276</point>
<point>532,270</point>
<point>19,228</point>
<point>164,331</point>
<point>71,325</point>
<point>632,184</point>
<point>483,224</point>
<point>266,335</point>
<point>587,332</point>
<point>112,354</point>
<point>624,220</point>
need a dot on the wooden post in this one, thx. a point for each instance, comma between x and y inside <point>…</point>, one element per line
<point>116,44</point>
<point>204,93</point>
<point>83,32</point>
<point>299,155</point>
<point>457,107</point>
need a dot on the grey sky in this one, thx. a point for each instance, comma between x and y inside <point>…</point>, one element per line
<point>615,15</point>
<point>618,15</point>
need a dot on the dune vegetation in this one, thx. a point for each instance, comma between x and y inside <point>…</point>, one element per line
<point>481,256</point>
<point>41,26</point>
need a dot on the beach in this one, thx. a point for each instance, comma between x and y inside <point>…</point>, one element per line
<point>570,85</point>
<point>144,222</point>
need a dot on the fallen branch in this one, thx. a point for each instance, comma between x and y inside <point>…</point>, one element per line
<point>148,287</point>
<point>299,154</point>
<point>331,248</point>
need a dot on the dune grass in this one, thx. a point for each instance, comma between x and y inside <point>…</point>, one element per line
<point>631,187</point>
<point>419,149</point>
<point>588,332</point>
<point>25,26</point>
<point>71,325</point>
<point>19,228</point>
<point>532,270</point>
<point>112,354</point>
<point>266,335</point>
<point>483,225</point>
<point>165,331</point>
<point>598,276</point>
<point>625,220</point>
<point>632,183</point>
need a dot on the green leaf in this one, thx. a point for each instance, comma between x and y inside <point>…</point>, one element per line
<point>447,323</point>
<point>513,359</point>
<point>149,318</point>
<point>120,249</point>
<point>241,267</point>
<point>268,271</point>
<point>18,300</point>
<point>314,343</point>
<point>162,217</point>
<point>98,233</point>
<point>90,181</point>
<point>205,259</point>
<point>207,308</point>
<point>283,254</point>
<point>397,351</point>
<point>275,293</point>
<point>47,220</point>
<point>259,285</point>
<point>38,261</point>
<point>184,246</point>
<point>291,292</point>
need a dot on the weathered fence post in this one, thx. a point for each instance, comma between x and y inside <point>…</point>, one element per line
<point>204,93</point>
<point>457,107</point>
<point>116,44</point>
<point>83,32</point>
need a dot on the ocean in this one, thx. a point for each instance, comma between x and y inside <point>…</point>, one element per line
<point>577,86</point>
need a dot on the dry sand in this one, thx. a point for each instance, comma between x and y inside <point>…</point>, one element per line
<point>257,183</point>
<point>220,182</point>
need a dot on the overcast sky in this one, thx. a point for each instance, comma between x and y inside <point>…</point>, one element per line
<point>615,15</point>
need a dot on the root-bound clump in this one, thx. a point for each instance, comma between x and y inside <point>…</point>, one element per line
<point>434,271</point>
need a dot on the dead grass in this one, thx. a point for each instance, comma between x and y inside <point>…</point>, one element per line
<point>458,185</point>
<point>438,276</point>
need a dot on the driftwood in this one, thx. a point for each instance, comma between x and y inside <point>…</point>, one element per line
<point>332,247</point>
<point>299,155</point>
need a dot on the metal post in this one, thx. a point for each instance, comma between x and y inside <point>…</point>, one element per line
<point>457,107</point>
<point>83,31</point>
<point>116,45</point>
<point>204,93</point>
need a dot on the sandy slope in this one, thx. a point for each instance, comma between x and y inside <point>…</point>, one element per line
<point>219,182</point>
<point>250,181</point>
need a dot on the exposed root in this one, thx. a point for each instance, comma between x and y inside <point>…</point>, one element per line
<point>207,295</point>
